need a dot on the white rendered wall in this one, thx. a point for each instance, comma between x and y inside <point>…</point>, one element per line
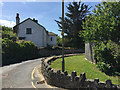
<point>54,40</point>
<point>45,38</point>
<point>37,32</point>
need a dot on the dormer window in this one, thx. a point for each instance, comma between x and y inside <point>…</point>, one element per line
<point>28,31</point>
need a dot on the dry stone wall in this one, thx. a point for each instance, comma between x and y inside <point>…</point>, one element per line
<point>63,80</point>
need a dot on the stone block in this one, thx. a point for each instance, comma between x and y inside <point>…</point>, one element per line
<point>58,71</point>
<point>77,78</point>
<point>96,80</point>
<point>108,83</point>
<point>42,62</point>
<point>48,68</point>
<point>65,73</point>
<point>95,84</point>
<point>82,76</point>
<point>73,74</point>
<point>52,70</point>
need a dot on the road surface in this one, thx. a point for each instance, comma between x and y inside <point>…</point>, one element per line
<point>19,75</point>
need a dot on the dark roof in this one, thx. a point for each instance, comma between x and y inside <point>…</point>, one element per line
<point>51,33</point>
<point>31,20</point>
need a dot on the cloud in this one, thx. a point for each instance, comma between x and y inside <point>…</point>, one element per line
<point>1,4</point>
<point>24,3</point>
<point>7,23</point>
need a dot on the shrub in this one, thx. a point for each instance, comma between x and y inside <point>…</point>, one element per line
<point>107,56</point>
<point>59,41</point>
<point>13,52</point>
<point>8,33</point>
<point>104,67</point>
<point>67,42</point>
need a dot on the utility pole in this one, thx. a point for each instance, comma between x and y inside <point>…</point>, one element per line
<point>62,33</point>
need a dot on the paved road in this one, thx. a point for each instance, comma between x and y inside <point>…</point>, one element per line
<point>19,75</point>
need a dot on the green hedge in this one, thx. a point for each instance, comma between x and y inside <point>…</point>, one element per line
<point>107,57</point>
<point>13,52</point>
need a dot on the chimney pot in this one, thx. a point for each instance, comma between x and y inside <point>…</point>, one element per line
<point>17,14</point>
<point>35,20</point>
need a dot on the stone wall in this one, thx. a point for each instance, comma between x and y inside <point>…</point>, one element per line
<point>63,80</point>
<point>46,52</point>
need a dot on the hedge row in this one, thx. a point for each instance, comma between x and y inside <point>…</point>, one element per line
<point>14,52</point>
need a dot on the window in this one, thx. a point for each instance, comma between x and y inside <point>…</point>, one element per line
<point>28,31</point>
<point>51,38</point>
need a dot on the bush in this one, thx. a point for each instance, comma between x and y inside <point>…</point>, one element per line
<point>107,57</point>
<point>104,67</point>
<point>59,41</point>
<point>8,33</point>
<point>67,42</point>
<point>13,52</point>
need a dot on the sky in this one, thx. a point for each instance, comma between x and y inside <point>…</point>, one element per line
<point>45,12</point>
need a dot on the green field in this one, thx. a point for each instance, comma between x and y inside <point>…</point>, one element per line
<point>79,64</point>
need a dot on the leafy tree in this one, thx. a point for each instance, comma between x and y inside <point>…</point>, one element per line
<point>103,27</point>
<point>72,22</point>
<point>8,33</point>
<point>4,28</point>
<point>103,24</point>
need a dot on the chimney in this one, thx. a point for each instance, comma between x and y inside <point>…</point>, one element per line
<point>17,19</point>
<point>35,20</point>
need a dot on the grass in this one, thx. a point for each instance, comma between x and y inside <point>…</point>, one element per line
<point>79,64</point>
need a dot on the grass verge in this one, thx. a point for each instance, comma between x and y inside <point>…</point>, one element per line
<point>79,64</point>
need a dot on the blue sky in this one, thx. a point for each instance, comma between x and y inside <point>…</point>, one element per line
<point>44,12</point>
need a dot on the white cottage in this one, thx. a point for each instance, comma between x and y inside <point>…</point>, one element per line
<point>31,30</point>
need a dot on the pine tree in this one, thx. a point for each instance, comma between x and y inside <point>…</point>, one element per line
<point>75,16</point>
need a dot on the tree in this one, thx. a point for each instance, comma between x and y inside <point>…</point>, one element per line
<point>8,33</point>
<point>72,22</point>
<point>103,28</point>
<point>104,24</point>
